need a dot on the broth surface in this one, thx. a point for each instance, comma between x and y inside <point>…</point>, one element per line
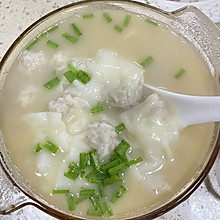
<point>134,43</point>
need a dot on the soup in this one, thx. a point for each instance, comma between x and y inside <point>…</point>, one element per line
<point>85,135</point>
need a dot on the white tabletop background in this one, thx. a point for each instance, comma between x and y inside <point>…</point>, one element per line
<point>17,15</point>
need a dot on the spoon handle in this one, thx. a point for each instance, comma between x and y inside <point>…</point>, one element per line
<point>197,109</point>
<point>193,109</point>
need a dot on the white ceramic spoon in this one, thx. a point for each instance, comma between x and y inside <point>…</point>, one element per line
<point>192,109</point>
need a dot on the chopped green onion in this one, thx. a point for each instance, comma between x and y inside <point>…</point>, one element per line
<point>135,161</point>
<point>82,173</point>
<point>83,76</point>
<point>32,44</point>
<point>51,29</point>
<point>70,201</point>
<point>74,171</point>
<point>87,192</point>
<point>151,22</point>
<point>147,61</point>
<point>95,177</point>
<point>69,37</point>
<point>76,30</point>
<point>73,166</point>
<point>122,148</point>
<point>38,148</point>
<point>114,157</point>
<point>52,44</point>
<point>119,128</point>
<point>52,83</point>
<point>41,36</point>
<point>107,17</point>
<point>94,213</point>
<point>101,206</point>
<point>147,2</point>
<point>80,199</point>
<point>94,202</point>
<point>97,109</point>
<point>179,73</point>
<point>60,191</point>
<point>110,165</point>
<point>94,158</point>
<point>127,20</point>
<point>117,168</point>
<point>101,191</point>
<point>111,180</point>
<point>83,160</point>
<point>88,15</point>
<point>70,75</point>
<point>51,147</point>
<point>118,28</point>
<point>108,209</point>
<point>118,194</point>
<point>71,175</point>
<point>72,68</point>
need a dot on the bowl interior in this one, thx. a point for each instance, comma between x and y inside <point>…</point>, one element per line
<point>189,23</point>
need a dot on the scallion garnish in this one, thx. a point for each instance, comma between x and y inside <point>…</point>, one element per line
<point>38,148</point>
<point>70,201</point>
<point>118,28</point>
<point>101,191</point>
<point>74,171</point>
<point>41,36</point>
<point>179,73</point>
<point>69,37</point>
<point>72,68</point>
<point>94,158</point>
<point>32,44</point>
<point>111,180</point>
<point>51,29</point>
<point>127,20</point>
<point>110,165</point>
<point>52,83</point>
<point>83,76</point>
<point>101,206</point>
<point>72,174</point>
<point>70,75</point>
<point>108,209</point>
<point>76,30</point>
<point>83,160</point>
<point>122,148</point>
<point>80,199</point>
<point>107,17</point>
<point>52,44</point>
<point>87,192</point>
<point>97,109</point>
<point>119,128</point>
<point>94,213</point>
<point>94,202</point>
<point>118,194</point>
<point>60,191</point>
<point>135,161</point>
<point>117,168</point>
<point>151,22</point>
<point>146,62</point>
<point>51,147</point>
<point>105,175</point>
<point>88,16</point>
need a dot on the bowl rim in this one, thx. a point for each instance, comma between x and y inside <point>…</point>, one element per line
<point>153,214</point>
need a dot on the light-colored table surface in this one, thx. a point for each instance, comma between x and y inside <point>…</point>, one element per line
<point>17,15</point>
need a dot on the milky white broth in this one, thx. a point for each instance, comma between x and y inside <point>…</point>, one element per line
<point>137,41</point>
